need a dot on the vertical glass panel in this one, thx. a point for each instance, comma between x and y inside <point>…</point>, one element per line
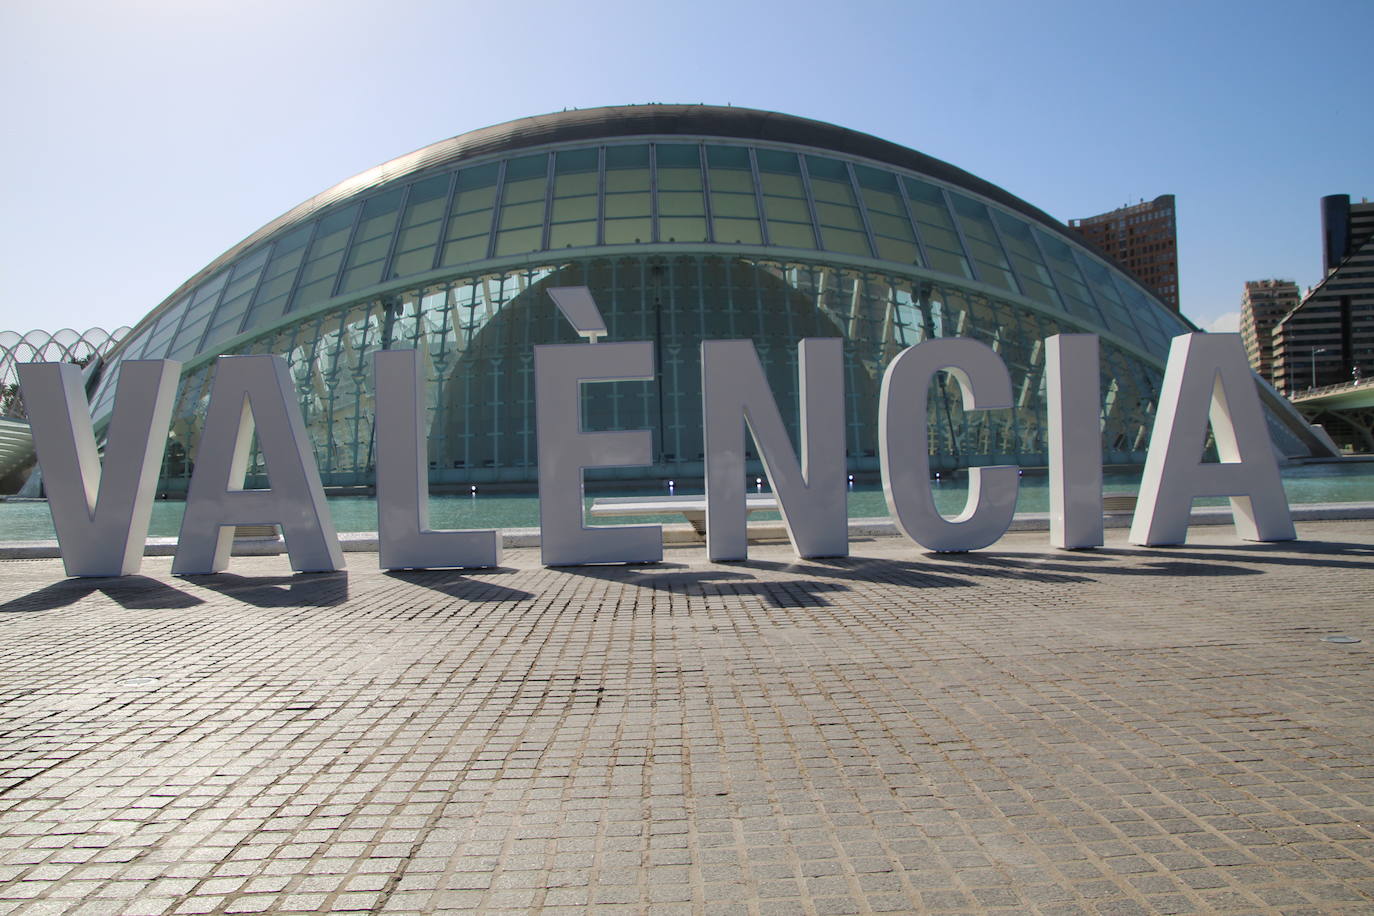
<point>1145,314</point>
<point>425,204</point>
<point>322,263</point>
<point>627,204</point>
<point>573,235</point>
<point>469,225</point>
<point>161,335</point>
<point>982,242</point>
<point>225,322</point>
<point>734,209</point>
<point>203,302</point>
<point>574,173</point>
<point>520,226</point>
<point>574,210</point>
<point>1170,324</point>
<point>278,277</point>
<point>371,242</point>
<point>681,198</point>
<point>1073,290</point>
<point>784,200</point>
<point>1026,261</point>
<point>893,236</point>
<point>420,226</point>
<point>936,227</point>
<point>104,396</point>
<point>627,168</point>
<point>837,209</point>
<point>1118,320</point>
<point>525,179</point>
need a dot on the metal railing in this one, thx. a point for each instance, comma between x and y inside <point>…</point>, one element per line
<point>1352,385</point>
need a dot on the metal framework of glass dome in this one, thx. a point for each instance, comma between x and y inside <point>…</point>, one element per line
<point>688,223</point>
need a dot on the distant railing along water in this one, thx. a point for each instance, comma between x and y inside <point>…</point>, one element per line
<point>1313,483</point>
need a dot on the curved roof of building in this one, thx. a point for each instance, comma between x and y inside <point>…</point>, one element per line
<point>616,121</point>
<point>662,120</point>
<point>269,276</point>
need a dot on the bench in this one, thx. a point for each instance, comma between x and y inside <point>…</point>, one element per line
<point>1118,504</point>
<point>691,507</point>
<point>257,532</point>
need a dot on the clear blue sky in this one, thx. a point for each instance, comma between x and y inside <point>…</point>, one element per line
<point>142,139</point>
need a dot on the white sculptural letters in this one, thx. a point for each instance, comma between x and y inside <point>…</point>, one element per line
<point>904,454</point>
<point>1208,377</point>
<point>1074,404</point>
<point>254,392</point>
<point>811,495</point>
<point>404,540</point>
<point>100,514</point>
<point>565,451</point>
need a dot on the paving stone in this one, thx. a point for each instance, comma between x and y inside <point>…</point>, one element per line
<point>1014,730</point>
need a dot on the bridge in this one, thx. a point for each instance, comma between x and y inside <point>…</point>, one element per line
<point>1346,411</point>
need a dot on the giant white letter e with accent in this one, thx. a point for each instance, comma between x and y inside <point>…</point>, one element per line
<point>565,451</point>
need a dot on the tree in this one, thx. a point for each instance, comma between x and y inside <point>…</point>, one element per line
<point>12,401</point>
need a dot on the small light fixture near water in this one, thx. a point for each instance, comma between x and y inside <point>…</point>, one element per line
<point>473,488</point>
<point>671,484</point>
<point>758,484</point>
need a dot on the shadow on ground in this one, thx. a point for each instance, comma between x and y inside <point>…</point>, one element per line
<point>133,592</point>
<point>678,580</point>
<point>327,589</point>
<point>456,584</point>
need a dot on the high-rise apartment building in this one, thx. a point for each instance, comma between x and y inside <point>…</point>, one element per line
<point>1262,306</point>
<point>1329,337</point>
<point>1144,238</point>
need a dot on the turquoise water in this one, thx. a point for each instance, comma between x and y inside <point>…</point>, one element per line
<point>1314,483</point>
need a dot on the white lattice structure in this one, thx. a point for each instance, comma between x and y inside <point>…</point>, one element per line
<point>64,346</point>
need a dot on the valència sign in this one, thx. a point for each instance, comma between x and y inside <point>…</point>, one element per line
<point>101,515</point>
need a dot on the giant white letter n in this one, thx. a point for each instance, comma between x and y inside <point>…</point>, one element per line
<point>811,494</point>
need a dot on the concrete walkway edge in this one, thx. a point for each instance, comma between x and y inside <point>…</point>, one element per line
<point>683,534</point>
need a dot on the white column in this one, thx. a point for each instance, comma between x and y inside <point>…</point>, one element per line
<point>1074,403</point>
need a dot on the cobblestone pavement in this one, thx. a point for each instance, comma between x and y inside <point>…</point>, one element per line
<point>1015,730</point>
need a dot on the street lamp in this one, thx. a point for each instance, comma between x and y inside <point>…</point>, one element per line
<point>1315,351</point>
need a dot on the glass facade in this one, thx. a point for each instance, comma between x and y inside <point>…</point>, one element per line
<point>681,239</point>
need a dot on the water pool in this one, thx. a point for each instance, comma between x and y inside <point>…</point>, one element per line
<point>1313,483</point>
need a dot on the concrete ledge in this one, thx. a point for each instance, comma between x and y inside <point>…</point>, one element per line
<point>683,534</point>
